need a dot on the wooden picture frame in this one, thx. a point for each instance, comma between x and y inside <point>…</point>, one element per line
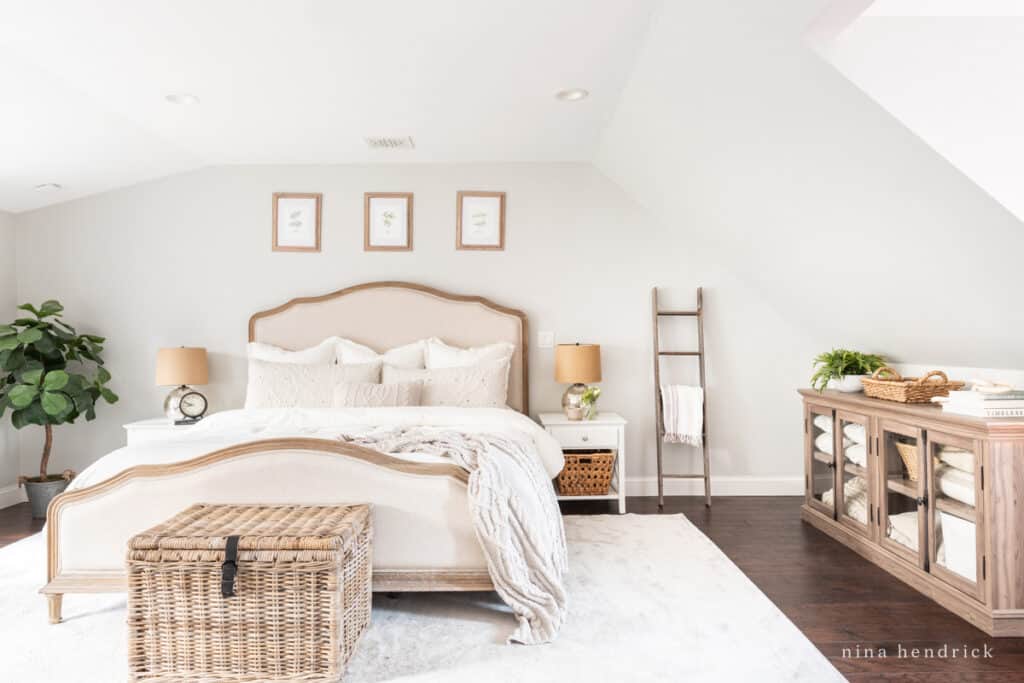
<point>491,231</point>
<point>373,237</point>
<point>307,238</point>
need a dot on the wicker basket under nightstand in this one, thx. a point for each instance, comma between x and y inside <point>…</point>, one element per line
<point>301,586</point>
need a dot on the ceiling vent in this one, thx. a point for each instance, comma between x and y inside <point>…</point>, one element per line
<point>390,142</point>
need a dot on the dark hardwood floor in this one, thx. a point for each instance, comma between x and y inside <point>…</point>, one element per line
<point>839,600</point>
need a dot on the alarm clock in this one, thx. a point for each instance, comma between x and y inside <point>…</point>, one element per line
<point>192,405</point>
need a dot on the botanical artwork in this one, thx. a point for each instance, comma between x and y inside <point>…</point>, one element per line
<point>296,222</point>
<point>481,220</point>
<point>387,221</point>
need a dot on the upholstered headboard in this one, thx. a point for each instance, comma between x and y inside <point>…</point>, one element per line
<point>383,315</point>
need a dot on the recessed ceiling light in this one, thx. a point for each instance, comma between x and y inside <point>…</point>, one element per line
<point>572,94</point>
<point>49,187</point>
<point>182,98</point>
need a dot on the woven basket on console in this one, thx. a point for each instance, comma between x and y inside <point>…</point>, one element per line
<point>301,594</point>
<point>887,384</point>
<point>587,473</point>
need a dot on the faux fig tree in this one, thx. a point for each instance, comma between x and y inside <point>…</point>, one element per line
<point>49,375</point>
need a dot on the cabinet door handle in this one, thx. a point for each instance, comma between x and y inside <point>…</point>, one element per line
<point>586,438</point>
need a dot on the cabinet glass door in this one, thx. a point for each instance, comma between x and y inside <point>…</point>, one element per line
<point>955,489</point>
<point>820,453</point>
<point>855,502</point>
<point>902,502</point>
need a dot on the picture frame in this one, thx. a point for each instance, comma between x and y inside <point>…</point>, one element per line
<point>480,221</point>
<point>387,221</point>
<point>296,221</point>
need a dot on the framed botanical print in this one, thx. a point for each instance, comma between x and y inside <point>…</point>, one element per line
<point>387,221</point>
<point>480,220</point>
<point>297,221</point>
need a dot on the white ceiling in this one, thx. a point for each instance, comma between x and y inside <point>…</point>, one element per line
<point>83,85</point>
<point>950,71</point>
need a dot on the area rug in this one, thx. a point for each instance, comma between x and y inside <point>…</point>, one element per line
<point>652,599</point>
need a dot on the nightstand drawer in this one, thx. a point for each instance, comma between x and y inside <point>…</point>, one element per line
<point>586,436</point>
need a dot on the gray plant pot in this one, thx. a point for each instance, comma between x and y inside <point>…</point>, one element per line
<point>40,493</point>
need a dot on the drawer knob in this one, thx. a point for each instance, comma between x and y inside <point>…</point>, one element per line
<point>586,438</point>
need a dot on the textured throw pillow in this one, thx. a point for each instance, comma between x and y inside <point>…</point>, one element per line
<point>482,386</point>
<point>407,356</point>
<point>322,353</point>
<point>363,395</point>
<point>439,355</point>
<point>293,385</point>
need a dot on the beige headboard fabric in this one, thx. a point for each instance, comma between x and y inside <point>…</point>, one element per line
<point>383,315</point>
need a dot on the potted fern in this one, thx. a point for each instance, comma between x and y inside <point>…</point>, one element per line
<point>49,375</point>
<point>843,370</point>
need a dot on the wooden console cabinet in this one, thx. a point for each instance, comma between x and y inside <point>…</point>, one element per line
<point>955,531</point>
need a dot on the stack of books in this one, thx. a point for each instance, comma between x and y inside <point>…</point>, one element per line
<point>977,404</point>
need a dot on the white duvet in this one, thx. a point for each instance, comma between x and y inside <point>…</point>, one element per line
<point>232,427</point>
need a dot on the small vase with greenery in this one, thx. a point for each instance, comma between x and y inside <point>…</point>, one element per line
<point>589,402</point>
<point>49,375</point>
<point>843,369</point>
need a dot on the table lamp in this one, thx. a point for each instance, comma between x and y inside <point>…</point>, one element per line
<point>181,367</point>
<point>576,364</point>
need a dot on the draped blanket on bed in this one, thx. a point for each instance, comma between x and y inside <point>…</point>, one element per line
<point>515,515</point>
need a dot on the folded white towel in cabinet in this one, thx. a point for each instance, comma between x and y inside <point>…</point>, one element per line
<point>824,423</point>
<point>855,433</point>
<point>857,454</point>
<point>956,484</point>
<point>823,442</point>
<point>902,528</point>
<point>957,458</point>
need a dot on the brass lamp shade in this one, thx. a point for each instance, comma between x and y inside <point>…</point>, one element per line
<point>577,363</point>
<point>181,366</point>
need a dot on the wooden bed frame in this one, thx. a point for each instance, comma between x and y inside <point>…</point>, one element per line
<point>417,506</point>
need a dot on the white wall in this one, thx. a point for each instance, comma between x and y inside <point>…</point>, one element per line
<point>9,465</point>
<point>825,204</point>
<point>187,259</point>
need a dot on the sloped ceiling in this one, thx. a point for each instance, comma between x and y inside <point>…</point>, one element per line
<point>297,81</point>
<point>732,128</point>
<point>951,73</point>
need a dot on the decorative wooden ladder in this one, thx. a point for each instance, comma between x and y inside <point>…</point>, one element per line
<point>659,425</point>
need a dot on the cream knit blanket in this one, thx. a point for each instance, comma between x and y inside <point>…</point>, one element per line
<point>515,515</point>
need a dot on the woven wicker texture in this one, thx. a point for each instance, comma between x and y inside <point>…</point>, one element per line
<point>587,474</point>
<point>887,384</point>
<point>302,594</point>
<point>908,452</point>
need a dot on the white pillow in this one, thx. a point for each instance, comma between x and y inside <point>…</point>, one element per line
<point>362,395</point>
<point>322,353</point>
<point>439,355</point>
<point>482,386</point>
<point>295,385</point>
<point>407,356</point>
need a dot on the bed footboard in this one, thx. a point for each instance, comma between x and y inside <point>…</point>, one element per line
<point>423,540</point>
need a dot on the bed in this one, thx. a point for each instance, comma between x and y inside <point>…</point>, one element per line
<point>424,538</point>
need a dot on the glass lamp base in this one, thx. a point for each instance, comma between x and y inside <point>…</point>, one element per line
<point>572,401</point>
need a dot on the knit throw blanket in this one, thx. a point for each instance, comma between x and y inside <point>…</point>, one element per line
<point>515,515</point>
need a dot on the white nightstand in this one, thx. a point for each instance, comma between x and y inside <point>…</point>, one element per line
<point>155,429</point>
<point>607,430</point>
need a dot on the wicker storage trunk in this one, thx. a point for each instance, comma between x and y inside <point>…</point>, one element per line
<point>301,593</point>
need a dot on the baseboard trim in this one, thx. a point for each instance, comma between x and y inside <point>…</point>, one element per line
<point>12,495</point>
<point>720,486</point>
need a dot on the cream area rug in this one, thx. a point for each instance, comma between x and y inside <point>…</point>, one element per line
<point>651,599</point>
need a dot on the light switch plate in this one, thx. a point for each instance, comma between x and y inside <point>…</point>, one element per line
<point>546,340</point>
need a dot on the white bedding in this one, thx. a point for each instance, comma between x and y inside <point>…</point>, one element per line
<point>232,427</point>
